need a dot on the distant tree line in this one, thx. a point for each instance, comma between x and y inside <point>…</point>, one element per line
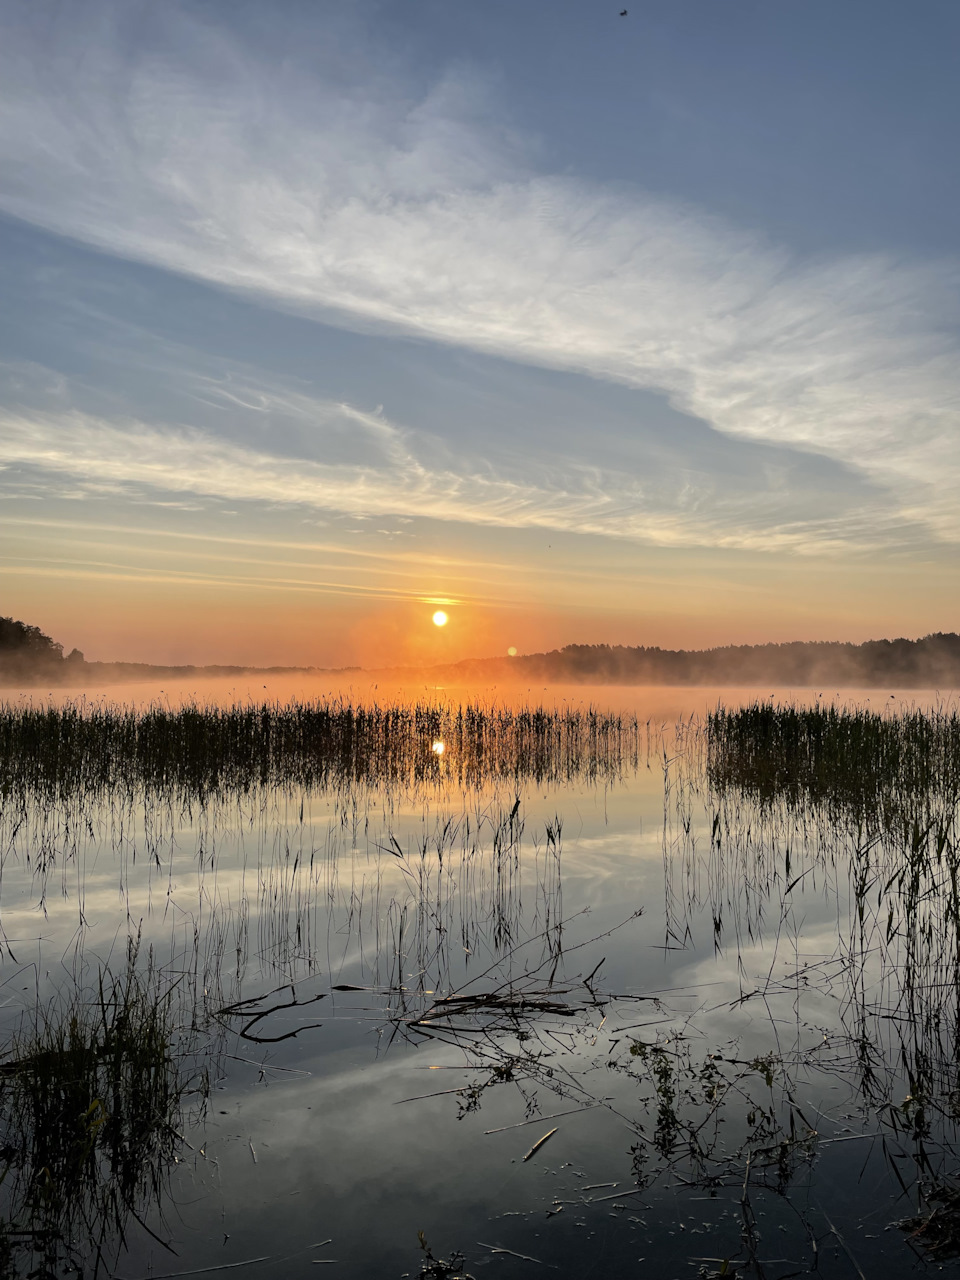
<point>931,662</point>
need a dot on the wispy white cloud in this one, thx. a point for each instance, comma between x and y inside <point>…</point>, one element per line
<point>131,457</point>
<point>415,215</point>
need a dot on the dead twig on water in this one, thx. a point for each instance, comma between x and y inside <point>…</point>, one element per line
<point>539,1143</point>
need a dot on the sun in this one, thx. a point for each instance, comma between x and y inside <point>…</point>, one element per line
<point>440,619</point>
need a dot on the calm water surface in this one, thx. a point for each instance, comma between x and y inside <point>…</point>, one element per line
<point>386,996</point>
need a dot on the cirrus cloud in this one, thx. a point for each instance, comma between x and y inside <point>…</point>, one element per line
<point>372,205</point>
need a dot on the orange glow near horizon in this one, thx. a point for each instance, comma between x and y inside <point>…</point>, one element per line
<point>672,600</point>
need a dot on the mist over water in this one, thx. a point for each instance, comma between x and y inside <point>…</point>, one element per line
<point>660,703</point>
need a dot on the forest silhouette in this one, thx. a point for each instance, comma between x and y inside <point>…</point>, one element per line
<point>29,656</point>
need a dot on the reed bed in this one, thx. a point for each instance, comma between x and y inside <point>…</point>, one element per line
<point>810,808</point>
<point>90,750</point>
<point>844,759</point>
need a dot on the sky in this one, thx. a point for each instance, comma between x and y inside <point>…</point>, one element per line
<point>321,317</point>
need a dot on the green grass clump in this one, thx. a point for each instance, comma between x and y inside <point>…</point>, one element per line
<point>90,1098</point>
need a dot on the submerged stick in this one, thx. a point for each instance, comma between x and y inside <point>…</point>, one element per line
<point>539,1143</point>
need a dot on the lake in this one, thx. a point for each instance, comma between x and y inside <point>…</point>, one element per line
<point>500,983</point>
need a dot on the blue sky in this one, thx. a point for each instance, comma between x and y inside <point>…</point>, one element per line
<point>596,328</point>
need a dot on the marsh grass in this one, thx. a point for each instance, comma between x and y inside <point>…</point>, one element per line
<point>90,750</point>
<point>881,767</point>
<point>91,1092</point>
<point>853,813</point>
<point>863,805</point>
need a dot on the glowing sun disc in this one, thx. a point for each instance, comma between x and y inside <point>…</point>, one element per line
<point>439,618</point>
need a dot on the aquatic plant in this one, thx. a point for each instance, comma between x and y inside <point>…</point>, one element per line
<point>91,1092</point>
<point>878,766</point>
<point>87,750</point>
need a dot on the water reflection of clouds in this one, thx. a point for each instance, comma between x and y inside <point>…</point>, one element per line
<point>358,894</point>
